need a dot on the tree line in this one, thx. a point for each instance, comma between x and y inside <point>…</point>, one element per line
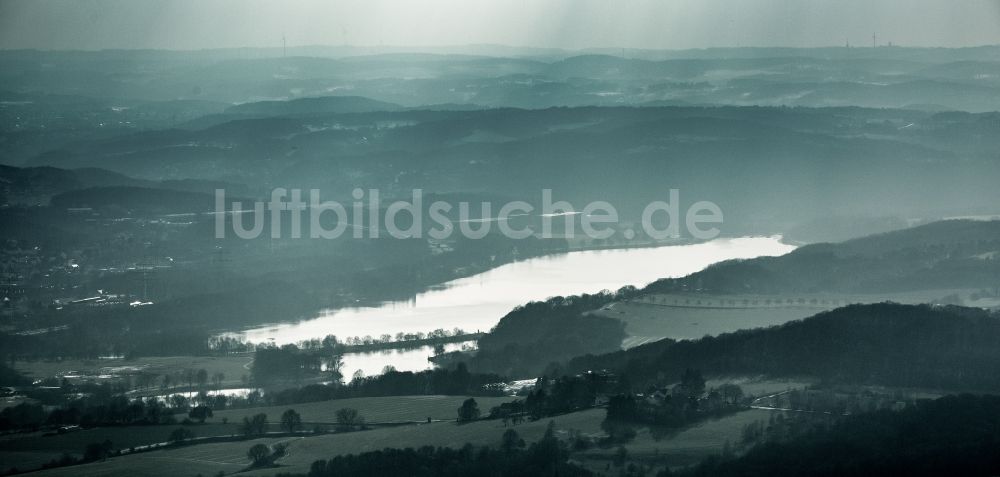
<point>547,457</point>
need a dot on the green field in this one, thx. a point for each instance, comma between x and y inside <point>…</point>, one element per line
<point>685,447</point>
<point>445,434</point>
<point>122,437</point>
<point>209,459</point>
<point>29,451</point>
<point>373,409</point>
<point>205,459</point>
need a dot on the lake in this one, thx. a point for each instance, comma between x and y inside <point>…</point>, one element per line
<point>477,303</point>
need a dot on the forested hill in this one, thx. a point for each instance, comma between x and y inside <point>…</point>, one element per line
<point>887,344</point>
<point>538,333</point>
<point>954,435</point>
<point>939,255</point>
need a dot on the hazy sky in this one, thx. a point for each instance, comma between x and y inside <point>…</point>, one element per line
<point>193,24</point>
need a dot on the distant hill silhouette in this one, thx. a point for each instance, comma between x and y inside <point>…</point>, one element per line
<point>40,185</point>
<point>939,255</point>
<point>319,105</point>
<point>767,168</point>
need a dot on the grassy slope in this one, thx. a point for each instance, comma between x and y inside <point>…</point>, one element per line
<point>206,459</point>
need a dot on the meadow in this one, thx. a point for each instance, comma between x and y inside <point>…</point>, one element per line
<point>229,457</point>
<point>31,450</point>
<point>683,447</point>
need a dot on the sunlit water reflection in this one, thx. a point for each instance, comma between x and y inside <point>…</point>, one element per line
<point>478,302</point>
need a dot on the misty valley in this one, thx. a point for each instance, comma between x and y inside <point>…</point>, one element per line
<point>417,260</point>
